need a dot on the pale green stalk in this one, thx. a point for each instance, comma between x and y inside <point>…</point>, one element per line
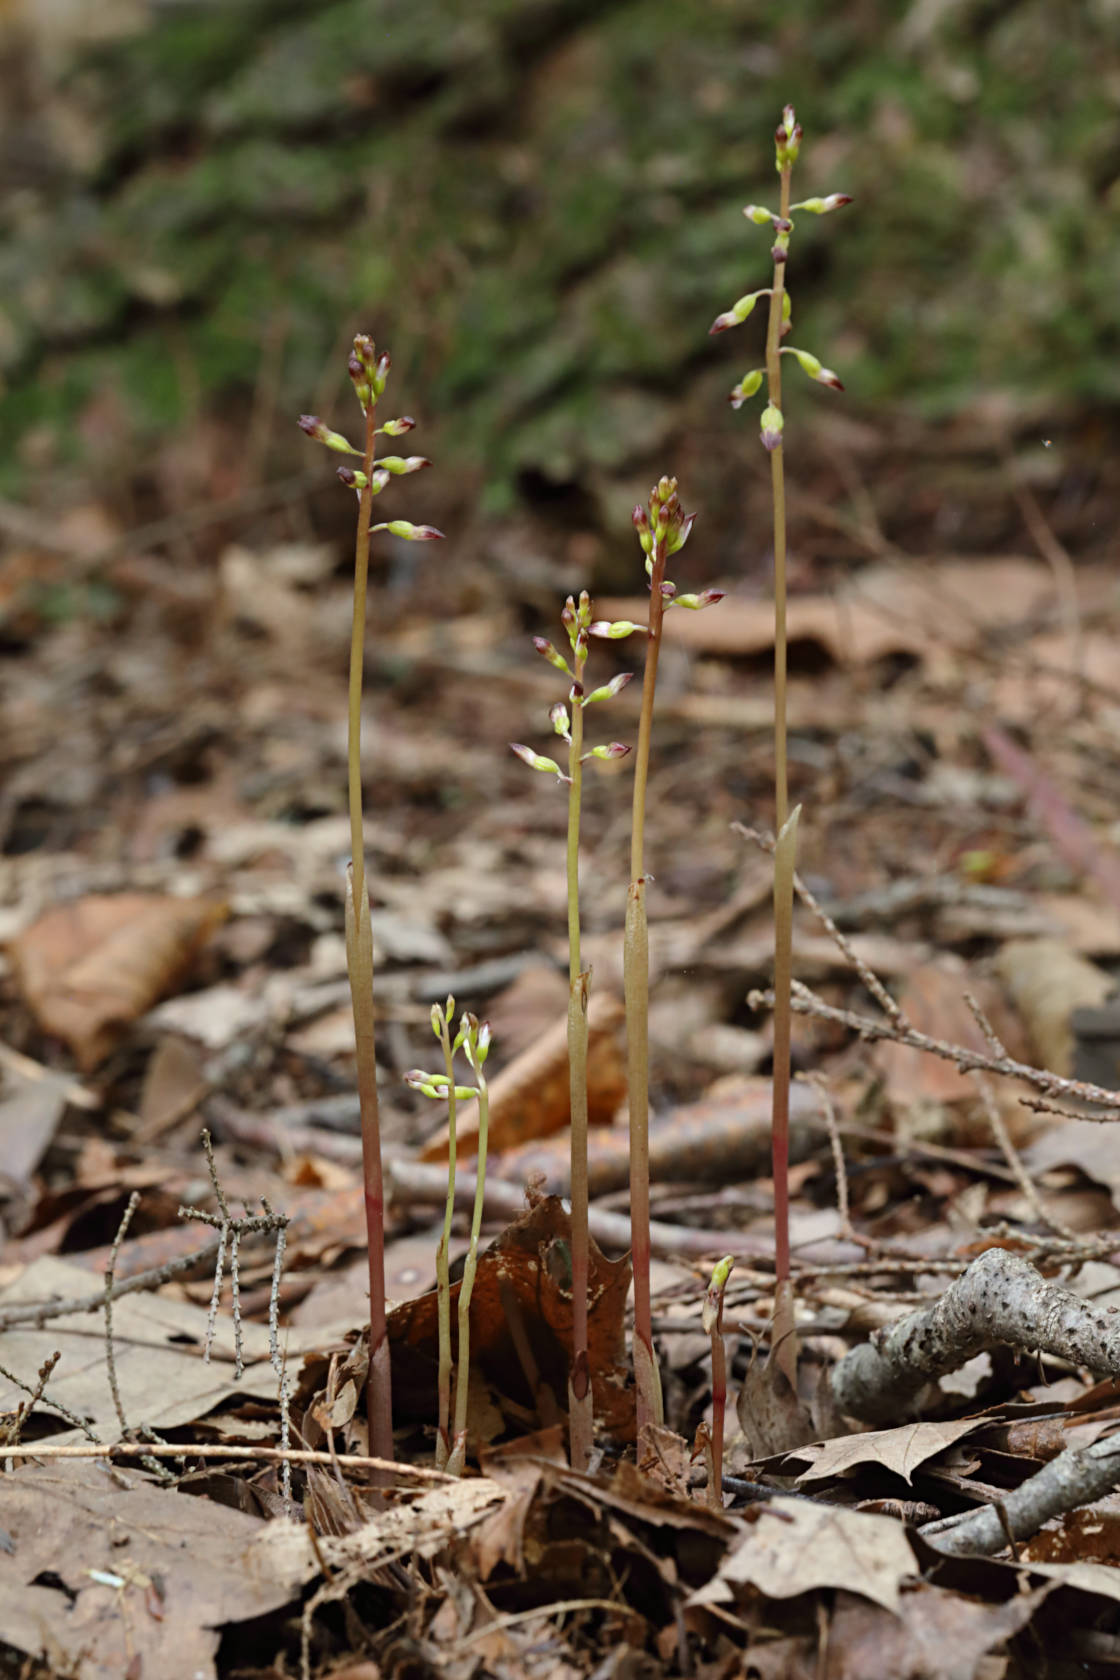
<point>359,963</point>
<point>466,1288</point>
<point>443,1277</point>
<point>580,1405</point>
<point>712,1320</point>
<point>636,993</point>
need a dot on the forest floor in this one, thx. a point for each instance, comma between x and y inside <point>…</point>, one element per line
<point>171,902</point>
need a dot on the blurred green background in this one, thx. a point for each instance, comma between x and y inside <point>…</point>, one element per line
<point>537,205</point>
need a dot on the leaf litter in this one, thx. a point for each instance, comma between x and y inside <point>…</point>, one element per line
<point>935,849</point>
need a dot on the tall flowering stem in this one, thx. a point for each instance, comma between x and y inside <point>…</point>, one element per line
<point>576,619</point>
<point>712,1321</point>
<point>787,139</point>
<point>369,374</point>
<point>663,528</point>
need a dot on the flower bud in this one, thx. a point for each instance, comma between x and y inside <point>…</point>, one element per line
<point>319,432</point>
<point>535,761</point>
<point>609,690</point>
<point>787,139</point>
<point>394,428</point>
<point>381,373</point>
<point>759,215</point>
<point>360,381</point>
<point>613,749</point>
<point>398,464</point>
<point>410,533</point>
<point>353,479</point>
<point>747,386</point>
<point>772,423</point>
<point>737,314</point>
<point>812,366</point>
<point>546,650</point>
<point>668,590</point>
<point>614,630</point>
<point>560,721</point>
<point>697,603</point>
<point>437,1022</point>
<point>822,206</point>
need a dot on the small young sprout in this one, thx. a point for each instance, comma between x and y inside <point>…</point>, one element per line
<point>369,373</point>
<point>712,1320</point>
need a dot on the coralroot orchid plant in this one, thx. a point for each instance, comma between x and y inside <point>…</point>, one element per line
<point>474,1040</point>
<point>787,138</point>
<point>369,374</point>
<point>663,529</point>
<point>577,621</point>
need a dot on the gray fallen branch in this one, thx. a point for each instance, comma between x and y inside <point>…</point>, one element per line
<point>1076,1477</point>
<point>1000,1300</point>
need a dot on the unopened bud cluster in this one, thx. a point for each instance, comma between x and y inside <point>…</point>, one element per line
<point>471,1038</point>
<point>663,528</point>
<point>787,146</point>
<point>577,621</point>
<point>369,374</point>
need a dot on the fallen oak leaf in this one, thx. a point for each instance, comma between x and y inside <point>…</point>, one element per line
<point>89,969</point>
<point>902,1450</point>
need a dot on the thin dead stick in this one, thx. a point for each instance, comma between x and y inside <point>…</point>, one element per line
<point>39,1313</point>
<point>828,1109</point>
<point>1015,1160</point>
<point>248,1454</point>
<point>1076,1477</point>
<point>844,945</point>
<point>1000,1300</point>
<point>36,1394</point>
<point>110,1268</point>
<point>806,1002</point>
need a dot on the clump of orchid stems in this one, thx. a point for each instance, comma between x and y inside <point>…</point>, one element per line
<point>787,138</point>
<point>712,1320</point>
<point>577,622</point>
<point>663,529</point>
<point>369,373</point>
<point>474,1040</point>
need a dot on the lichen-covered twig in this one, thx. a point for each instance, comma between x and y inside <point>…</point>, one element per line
<point>1001,1300</point>
<point>1076,1477</point>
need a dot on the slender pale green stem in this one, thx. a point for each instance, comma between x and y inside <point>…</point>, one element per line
<point>713,1323</point>
<point>783,878</point>
<point>443,1279</point>
<point>359,960</point>
<point>580,1405</point>
<point>635,952</point>
<point>466,1288</point>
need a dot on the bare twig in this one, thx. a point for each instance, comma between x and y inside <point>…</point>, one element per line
<point>213,1450</point>
<point>1000,1300</point>
<point>110,1268</point>
<point>38,1313</point>
<point>1076,1477</point>
<point>806,1002</point>
<point>36,1394</point>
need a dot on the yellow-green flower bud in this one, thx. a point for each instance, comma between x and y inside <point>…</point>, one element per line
<point>772,424</point>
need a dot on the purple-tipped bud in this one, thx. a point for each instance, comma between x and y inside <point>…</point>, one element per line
<point>398,464</point>
<point>772,423</point>
<point>822,206</point>
<point>366,352</point>
<point>779,251</point>
<point>410,532</point>
<point>584,608</point>
<point>396,428</point>
<point>613,749</point>
<point>321,433</point>
<point>360,380</point>
<point>681,532</point>
<point>738,313</point>
<point>668,590</point>
<point>811,365</point>
<point>560,721</point>
<point>537,761</point>
<point>352,479</point>
<point>381,373</point>
<point>697,603</point>
<point>546,650</point>
<point>614,630</point>
<point>746,388</point>
<point>759,214</point>
<point>640,518</point>
<point>609,690</point>
<point>568,618</point>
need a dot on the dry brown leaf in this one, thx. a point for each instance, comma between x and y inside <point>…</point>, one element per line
<point>934,1632</point>
<point>185,1567</point>
<point>525,1272</point>
<point>901,1450</point>
<point>794,1545</point>
<point>90,968</point>
<point>1047,982</point>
